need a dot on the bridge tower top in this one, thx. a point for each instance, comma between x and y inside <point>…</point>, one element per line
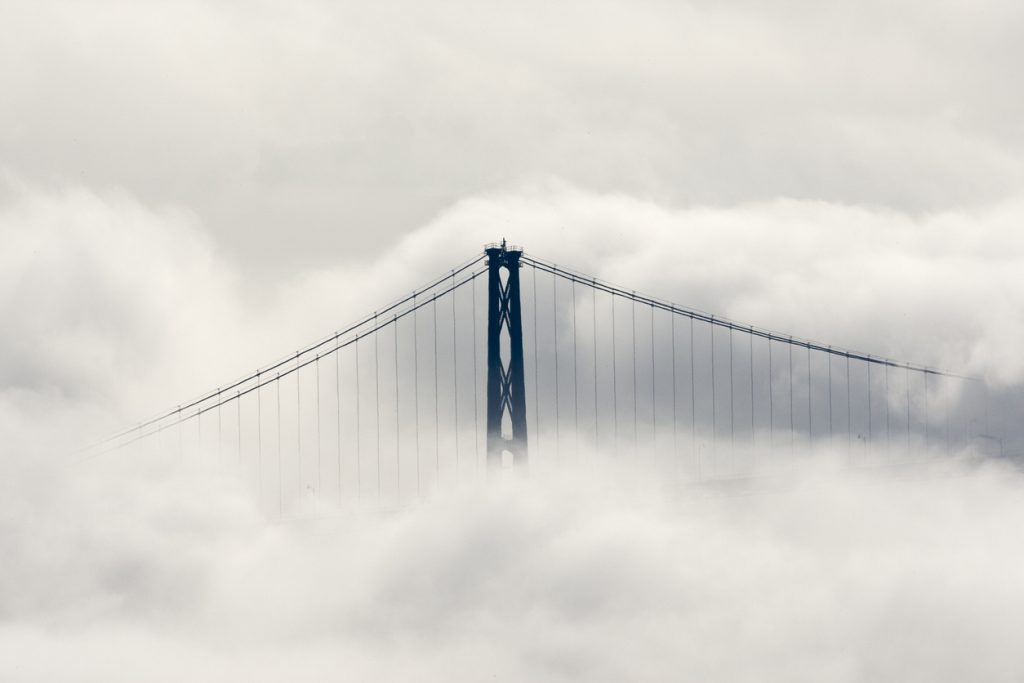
<point>505,253</point>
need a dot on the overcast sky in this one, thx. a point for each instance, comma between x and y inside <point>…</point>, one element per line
<point>317,133</point>
<point>182,175</point>
<point>190,189</point>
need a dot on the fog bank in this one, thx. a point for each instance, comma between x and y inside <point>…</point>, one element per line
<point>603,574</point>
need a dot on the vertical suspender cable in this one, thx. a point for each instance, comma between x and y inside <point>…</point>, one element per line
<point>259,440</point>
<point>536,368</point>
<point>220,430</point>
<point>714,397</point>
<point>675,413</point>
<point>376,395</point>
<point>615,382</point>
<point>732,402</point>
<point>830,428</point>
<point>789,348</point>
<point>238,405</point>
<point>437,418</point>
<point>926,410</point>
<point>416,388</point>
<point>554,323</point>
<point>947,411</point>
<point>654,384</point>
<point>298,419</point>
<point>476,419</point>
<point>693,398</point>
<point>632,353</point>
<point>359,449</point>
<point>319,438</point>
<point>593,293</point>
<point>280,469</point>
<point>398,423</point>
<point>906,385</point>
<point>871,420</point>
<point>771,399</point>
<point>337,405</point>
<point>849,412</point>
<point>455,379</point>
<point>887,434</point>
<point>750,340</point>
<point>810,423</point>
<point>575,378</point>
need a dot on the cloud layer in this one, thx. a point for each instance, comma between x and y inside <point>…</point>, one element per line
<point>938,289</point>
<point>117,310</point>
<point>285,127</point>
<point>148,571</point>
<point>588,574</point>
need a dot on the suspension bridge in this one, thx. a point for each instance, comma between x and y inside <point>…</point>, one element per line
<point>508,361</point>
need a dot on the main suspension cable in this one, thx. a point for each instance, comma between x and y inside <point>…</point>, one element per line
<point>740,327</point>
<point>239,382</point>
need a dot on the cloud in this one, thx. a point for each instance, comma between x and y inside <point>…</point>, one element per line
<point>118,310</point>
<point>286,127</point>
<point>936,289</point>
<point>593,574</point>
<point>148,569</point>
<point>101,296</point>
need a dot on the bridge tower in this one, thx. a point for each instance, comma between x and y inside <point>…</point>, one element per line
<point>506,393</point>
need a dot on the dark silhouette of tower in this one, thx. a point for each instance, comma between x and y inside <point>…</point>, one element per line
<point>506,395</point>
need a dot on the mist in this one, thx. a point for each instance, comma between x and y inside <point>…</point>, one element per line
<point>599,570</point>
<point>596,568</point>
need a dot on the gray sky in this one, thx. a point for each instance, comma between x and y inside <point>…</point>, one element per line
<point>315,133</point>
<point>194,177</point>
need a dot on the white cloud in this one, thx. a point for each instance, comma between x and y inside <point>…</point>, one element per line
<point>101,296</point>
<point>937,289</point>
<point>164,573</point>
<point>306,133</point>
<point>582,575</point>
<point>118,310</point>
